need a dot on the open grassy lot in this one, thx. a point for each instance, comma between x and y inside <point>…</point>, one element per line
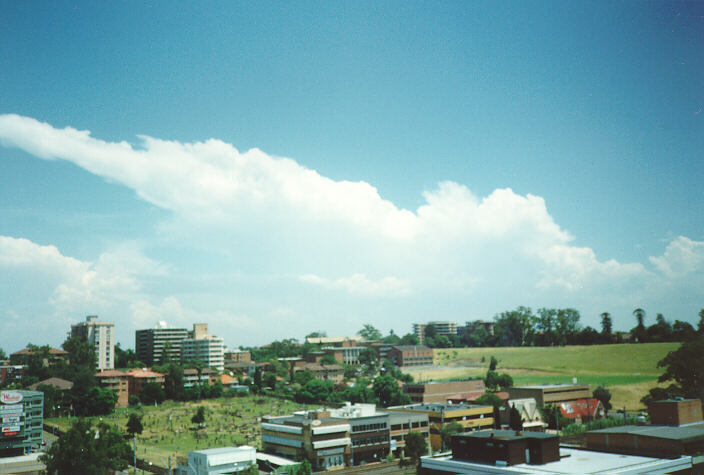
<point>629,371</point>
<point>168,430</point>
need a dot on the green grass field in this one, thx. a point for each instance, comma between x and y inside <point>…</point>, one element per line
<point>168,430</point>
<point>629,371</point>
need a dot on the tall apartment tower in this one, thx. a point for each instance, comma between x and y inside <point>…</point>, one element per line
<point>445,327</point>
<point>200,345</point>
<point>102,336</point>
<point>150,344</point>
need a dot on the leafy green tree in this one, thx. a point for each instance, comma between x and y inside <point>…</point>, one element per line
<point>369,333</point>
<point>447,431</point>
<point>683,331</point>
<point>386,389</point>
<point>269,379</point>
<point>126,358</point>
<point>603,395</point>
<point>317,334</point>
<point>315,390</point>
<point>151,393</point>
<point>515,327</point>
<point>3,355</point>
<point>442,341</point>
<point>391,338</point>
<point>80,352</point>
<point>700,325</point>
<point>216,390</point>
<point>639,332</point>
<point>302,377</point>
<point>199,417</point>
<point>493,363</point>
<point>87,449</point>
<point>328,359</point>
<point>98,401</point>
<point>567,325</point>
<point>545,323</point>
<point>409,339</point>
<point>686,367</point>
<point>134,424</point>
<point>52,397</point>
<point>606,327</point>
<point>494,381</point>
<point>514,419</point>
<point>133,400</point>
<point>416,447</point>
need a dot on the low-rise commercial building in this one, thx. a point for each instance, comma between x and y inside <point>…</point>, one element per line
<point>401,423</point>
<point>237,356</point>
<point>649,440</point>
<point>219,461</point>
<point>329,372</point>
<point>11,374</point>
<point>675,412</point>
<point>441,391</point>
<point>369,432</point>
<point>312,435</point>
<point>138,378</point>
<point>193,377</point>
<point>344,354</point>
<point>470,417</point>
<point>545,394</point>
<point>116,381</point>
<point>21,421</point>
<point>411,355</point>
<point>51,357</point>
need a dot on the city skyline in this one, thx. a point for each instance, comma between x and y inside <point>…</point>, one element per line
<point>275,171</point>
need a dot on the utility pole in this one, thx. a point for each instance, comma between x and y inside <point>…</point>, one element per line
<point>135,455</point>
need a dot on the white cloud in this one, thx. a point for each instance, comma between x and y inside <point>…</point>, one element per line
<point>682,257</point>
<point>254,214</point>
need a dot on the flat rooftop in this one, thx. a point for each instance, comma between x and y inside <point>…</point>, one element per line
<point>683,433</point>
<point>222,450</point>
<point>552,386</point>
<point>572,461</point>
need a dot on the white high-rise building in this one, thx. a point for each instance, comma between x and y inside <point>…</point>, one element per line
<point>200,345</point>
<point>102,336</point>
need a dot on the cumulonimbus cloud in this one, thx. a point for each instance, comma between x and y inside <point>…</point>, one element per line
<point>355,240</point>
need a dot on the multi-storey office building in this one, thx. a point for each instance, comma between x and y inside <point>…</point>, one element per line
<point>312,435</point>
<point>202,346</point>
<point>470,417</point>
<point>345,354</point>
<point>442,391</point>
<point>411,355</point>
<point>550,393</point>
<point>21,418</point>
<point>369,432</point>
<point>441,328</point>
<point>152,344</point>
<point>101,335</point>
<point>401,423</point>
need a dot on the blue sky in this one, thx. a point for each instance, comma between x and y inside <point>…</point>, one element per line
<point>443,160</point>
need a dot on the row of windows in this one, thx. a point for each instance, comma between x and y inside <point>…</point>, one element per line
<point>368,427</point>
<point>412,425</point>
<point>370,441</point>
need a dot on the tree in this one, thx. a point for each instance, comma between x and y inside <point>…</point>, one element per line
<point>315,390</point>
<point>369,333</point>
<point>545,323</point>
<point>98,401</point>
<point>639,330</point>
<point>430,331</point>
<point>683,331</point>
<point>199,417</point>
<point>493,363</point>
<point>603,395</point>
<point>316,334</point>
<point>134,424</point>
<point>387,390</point>
<point>567,325</point>
<point>686,367</point>
<point>87,449</point>
<point>416,447</point>
<point>515,327</point>
<point>80,352</point>
<point>447,431</point>
<point>302,377</point>
<point>514,419</point>
<point>328,359</point>
<point>151,393</point>
<point>700,325</point>
<point>494,381</point>
<point>3,355</point>
<point>606,325</point>
<point>409,339</point>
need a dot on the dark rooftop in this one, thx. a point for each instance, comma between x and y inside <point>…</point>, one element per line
<point>683,433</point>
